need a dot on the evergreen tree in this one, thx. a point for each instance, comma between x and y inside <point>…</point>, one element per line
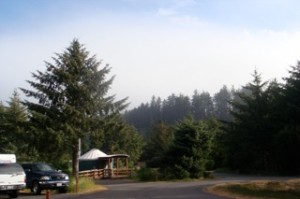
<point>71,102</point>
<point>6,145</point>
<point>13,127</point>
<point>122,138</point>
<point>155,110</point>
<point>292,95</point>
<point>222,105</point>
<point>175,108</point>
<point>251,133</point>
<point>202,105</point>
<point>131,143</point>
<point>16,126</point>
<point>287,141</point>
<point>189,153</point>
<point>217,156</point>
<point>158,144</point>
<point>140,117</point>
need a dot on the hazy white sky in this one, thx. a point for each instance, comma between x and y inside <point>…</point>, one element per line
<point>155,47</point>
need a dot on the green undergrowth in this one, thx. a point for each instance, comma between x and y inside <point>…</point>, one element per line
<point>146,174</point>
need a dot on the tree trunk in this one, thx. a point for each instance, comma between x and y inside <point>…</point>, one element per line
<point>75,166</point>
<point>75,158</point>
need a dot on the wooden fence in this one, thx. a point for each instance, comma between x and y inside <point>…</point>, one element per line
<point>106,173</point>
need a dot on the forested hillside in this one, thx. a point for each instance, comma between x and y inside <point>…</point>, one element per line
<point>201,105</point>
<point>258,126</point>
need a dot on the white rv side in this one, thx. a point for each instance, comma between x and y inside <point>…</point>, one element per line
<point>8,158</point>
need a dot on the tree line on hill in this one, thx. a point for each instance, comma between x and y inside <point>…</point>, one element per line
<point>252,129</point>
<point>176,107</point>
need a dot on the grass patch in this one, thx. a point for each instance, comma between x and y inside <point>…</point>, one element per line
<point>262,189</point>
<point>85,185</point>
<point>263,193</point>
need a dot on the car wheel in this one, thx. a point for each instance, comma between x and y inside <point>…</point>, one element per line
<point>13,194</point>
<point>35,189</point>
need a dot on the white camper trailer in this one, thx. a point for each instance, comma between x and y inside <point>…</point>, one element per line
<point>12,176</point>
<point>8,158</point>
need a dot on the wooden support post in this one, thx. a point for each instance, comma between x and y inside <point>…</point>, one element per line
<point>117,166</point>
<point>127,163</point>
<point>110,169</point>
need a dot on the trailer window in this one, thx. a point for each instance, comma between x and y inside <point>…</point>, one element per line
<point>10,168</point>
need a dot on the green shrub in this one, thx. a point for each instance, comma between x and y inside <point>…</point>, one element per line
<point>147,174</point>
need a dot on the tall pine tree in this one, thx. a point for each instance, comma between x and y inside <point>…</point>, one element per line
<point>288,139</point>
<point>250,135</point>
<point>222,105</point>
<point>71,102</point>
<point>202,105</point>
<point>158,144</point>
<point>13,128</point>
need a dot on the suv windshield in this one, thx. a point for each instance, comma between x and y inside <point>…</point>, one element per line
<point>10,168</point>
<point>42,167</point>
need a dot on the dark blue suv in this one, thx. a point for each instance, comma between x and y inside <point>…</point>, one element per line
<point>41,176</point>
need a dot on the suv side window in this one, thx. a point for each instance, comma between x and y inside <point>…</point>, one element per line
<point>26,167</point>
<point>34,168</point>
<point>43,167</point>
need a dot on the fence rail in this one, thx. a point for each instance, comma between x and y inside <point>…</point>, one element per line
<point>106,173</point>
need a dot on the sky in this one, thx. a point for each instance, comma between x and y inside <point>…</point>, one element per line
<point>154,47</point>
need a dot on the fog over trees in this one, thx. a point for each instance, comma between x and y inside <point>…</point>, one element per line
<point>201,105</point>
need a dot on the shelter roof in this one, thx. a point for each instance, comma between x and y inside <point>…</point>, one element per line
<point>93,154</point>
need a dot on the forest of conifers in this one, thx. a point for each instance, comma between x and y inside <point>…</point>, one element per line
<point>252,129</point>
<point>258,124</point>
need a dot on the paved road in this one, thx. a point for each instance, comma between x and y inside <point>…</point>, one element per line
<point>155,190</point>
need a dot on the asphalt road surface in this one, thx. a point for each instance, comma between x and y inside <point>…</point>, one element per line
<point>125,189</point>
